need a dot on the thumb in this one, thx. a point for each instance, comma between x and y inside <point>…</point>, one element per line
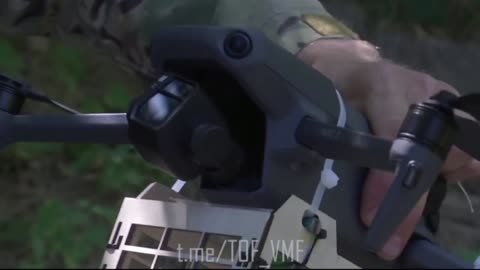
<point>375,188</point>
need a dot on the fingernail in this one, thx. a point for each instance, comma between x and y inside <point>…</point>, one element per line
<point>392,248</point>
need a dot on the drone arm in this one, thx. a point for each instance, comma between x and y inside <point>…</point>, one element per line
<point>81,128</point>
<point>338,143</point>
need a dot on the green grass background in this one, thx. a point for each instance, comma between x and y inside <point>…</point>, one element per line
<point>59,201</point>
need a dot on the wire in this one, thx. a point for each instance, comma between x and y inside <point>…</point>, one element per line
<point>38,96</point>
<point>63,107</point>
<point>470,204</point>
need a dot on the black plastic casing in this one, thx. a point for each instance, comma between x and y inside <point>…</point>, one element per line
<point>284,90</point>
<point>172,135</point>
<point>12,97</point>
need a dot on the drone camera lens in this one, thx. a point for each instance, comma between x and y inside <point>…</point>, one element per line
<point>157,108</point>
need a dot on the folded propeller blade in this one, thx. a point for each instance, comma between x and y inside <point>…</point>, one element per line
<point>469,104</point>
<point>467,139</point>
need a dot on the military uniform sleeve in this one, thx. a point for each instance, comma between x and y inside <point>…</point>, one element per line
<point>123,28</point>
<point>293,24</point>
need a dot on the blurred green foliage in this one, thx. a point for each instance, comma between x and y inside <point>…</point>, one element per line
<point>442,18</point>
<point>469,255</point>
<point>282,261</point>
<point>71,224</point>
<point>11,61</point>
<point>60,234</point>
<point>70,66</point>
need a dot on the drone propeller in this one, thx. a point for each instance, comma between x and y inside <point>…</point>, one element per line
<point>469,104</point>
<point>468,136</point>
<point>469,130</point>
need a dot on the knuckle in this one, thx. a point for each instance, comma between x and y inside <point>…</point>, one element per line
<point>427,82</point>
<point>432,85</point>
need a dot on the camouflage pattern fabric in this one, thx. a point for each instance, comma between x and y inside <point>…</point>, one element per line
<point>291,24</point>
<point>123,27</point>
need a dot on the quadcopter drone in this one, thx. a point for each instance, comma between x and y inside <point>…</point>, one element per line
<point>275,151</point>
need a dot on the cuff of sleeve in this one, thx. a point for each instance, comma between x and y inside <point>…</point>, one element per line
<point>296,32</point>
<point>292,24</point>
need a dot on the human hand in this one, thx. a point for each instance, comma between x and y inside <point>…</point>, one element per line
<point>384,91</point>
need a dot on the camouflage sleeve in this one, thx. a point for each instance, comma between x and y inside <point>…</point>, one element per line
<point>291,24</point>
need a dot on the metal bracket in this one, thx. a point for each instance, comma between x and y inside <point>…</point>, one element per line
<point>117,240</point>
